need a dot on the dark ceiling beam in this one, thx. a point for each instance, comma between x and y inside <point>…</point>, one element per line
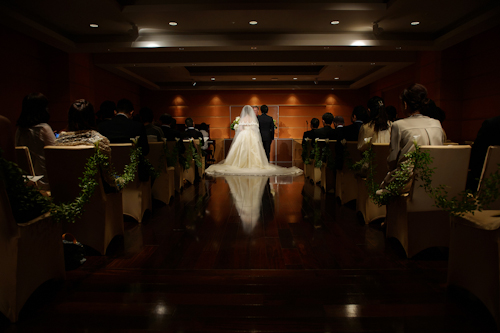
<point>258,57</point>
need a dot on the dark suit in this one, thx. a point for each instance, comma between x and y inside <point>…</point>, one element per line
<point>191,132</point>
<point>266,126</point>
<point>120,129</point>
<point>488,135</point>
<point>310,134</point>
<point>170,133</point>
<point>350,133</point>
<point>326,132</point>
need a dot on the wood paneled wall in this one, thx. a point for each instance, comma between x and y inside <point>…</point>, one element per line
<point>31,66</point>
<point>214,108</point>
<point>464,80</point>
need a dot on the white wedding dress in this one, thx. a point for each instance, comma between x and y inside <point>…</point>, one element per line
<point>246,155</point>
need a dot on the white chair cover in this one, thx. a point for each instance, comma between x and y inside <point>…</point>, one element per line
<point>30,254</point>
<point>102,219</point>
<point>347,184</point>
<point>490,166</point>
<point>163,187</point>
<point>412,218</point>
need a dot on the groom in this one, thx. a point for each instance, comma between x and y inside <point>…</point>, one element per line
<point>266,126</point>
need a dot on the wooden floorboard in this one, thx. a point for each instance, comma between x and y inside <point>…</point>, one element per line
<point>297,262</point>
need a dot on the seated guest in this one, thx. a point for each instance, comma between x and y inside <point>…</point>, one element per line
<point>81,125</point>
<point>311,134</point>
<point>338,123</point>
<point>487,136</point>
<point>206,136</point>
<point>169,131</point>
<point>34,132</point>
<point>192,132</point>
<point>106,111</point>
<point>392,113</point>
<point>122,128</point>
<point>147,118</point>
<point>378,128</point>
<point>326,132</point>
<point>351,132</point>
<point>7,140</point>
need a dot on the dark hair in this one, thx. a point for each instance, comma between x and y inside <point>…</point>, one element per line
<point>433,111</point>
<point>189,122</point>
<point>204,127</point>
<point>315,123</point>
<point>415,96</point>
<point>378,115</point>
<point>327,118</point>
<point>147,115</point>
<point>81,116</point>
<point>107,110</point>
<point>166,119</point>
<point>264,109</point>
<point>392,114</point>
<point>34,110</point>
<point>124,106</point>
<point>338,120</point>
<point>360,113</point>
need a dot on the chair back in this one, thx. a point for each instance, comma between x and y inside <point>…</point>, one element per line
<point>8,226</point>
<point>155,155</point>
<point>24,160</point>
<point>380,151</point>
<point>121,156</point>
<point>65,164</point>
<point>450,165</point>
<point>491,163</point>
<point>353,152</point>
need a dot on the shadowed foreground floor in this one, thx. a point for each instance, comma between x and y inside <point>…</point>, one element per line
<point>248,255</point>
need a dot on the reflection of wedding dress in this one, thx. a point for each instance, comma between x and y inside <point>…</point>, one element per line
<point>246,155</point>
<point>247,194</point>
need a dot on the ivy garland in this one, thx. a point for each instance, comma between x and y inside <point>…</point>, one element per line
<point>183,158</point>
<point>194,154</point>
<point>318,156</point>
<point>27,202</point>
<point>305,156</point>
<point>416,166</point>
<point>328,156</point>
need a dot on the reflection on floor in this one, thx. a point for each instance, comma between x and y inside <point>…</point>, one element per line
<point>248,255</point>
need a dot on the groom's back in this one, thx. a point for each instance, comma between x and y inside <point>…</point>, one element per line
<point>266,126</point>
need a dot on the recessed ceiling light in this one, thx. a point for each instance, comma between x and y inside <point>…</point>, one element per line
<point>94,25</point>
<point>181,49</point>
<point>253,22</point>
<point>398,47</point>
<point>335,22</point>
<point>212,78</point>
<point>172,23</point>
<point>295,78</point>
<point>313,63</point>
<point>152,45</point>
<point>326,47</point>
<point>253,48</point>
<point>415,23</point>
<point>372,63</point>
<point>336,78</point>
<point>254,78</point>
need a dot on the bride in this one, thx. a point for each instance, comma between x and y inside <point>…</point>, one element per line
<point>246,155</point>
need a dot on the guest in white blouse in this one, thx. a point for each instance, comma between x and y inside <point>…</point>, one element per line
<point>379,126</point>
<point>415,127</point>
<point>34,132</point>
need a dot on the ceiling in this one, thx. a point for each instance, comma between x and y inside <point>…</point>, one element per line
<point>213,46</point>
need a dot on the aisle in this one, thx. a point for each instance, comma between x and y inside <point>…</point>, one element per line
<point>303,263</point>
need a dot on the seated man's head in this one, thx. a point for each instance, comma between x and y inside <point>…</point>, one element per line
<point>264,109</point>
<point>166,119</point>
<point>125,106</point>
<point>189,122</point>
<point>147,115</point>
<point>338,120</point>
<point>327,119</point>
<point>359,114</point>
<point>314,123</point>
<point>81,116</point>
<point>107,110</point>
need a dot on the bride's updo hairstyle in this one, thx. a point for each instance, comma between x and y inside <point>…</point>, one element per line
<point>415,97</point>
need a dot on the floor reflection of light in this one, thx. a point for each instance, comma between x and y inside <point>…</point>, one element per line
<point>351,310</point>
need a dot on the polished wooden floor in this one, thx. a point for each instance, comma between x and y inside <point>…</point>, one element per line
<point>219,259</point>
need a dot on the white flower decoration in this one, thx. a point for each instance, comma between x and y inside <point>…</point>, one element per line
<point>236,126</point>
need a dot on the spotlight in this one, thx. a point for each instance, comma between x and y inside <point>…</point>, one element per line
<point>315,81</point>
<point>194,83</point>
